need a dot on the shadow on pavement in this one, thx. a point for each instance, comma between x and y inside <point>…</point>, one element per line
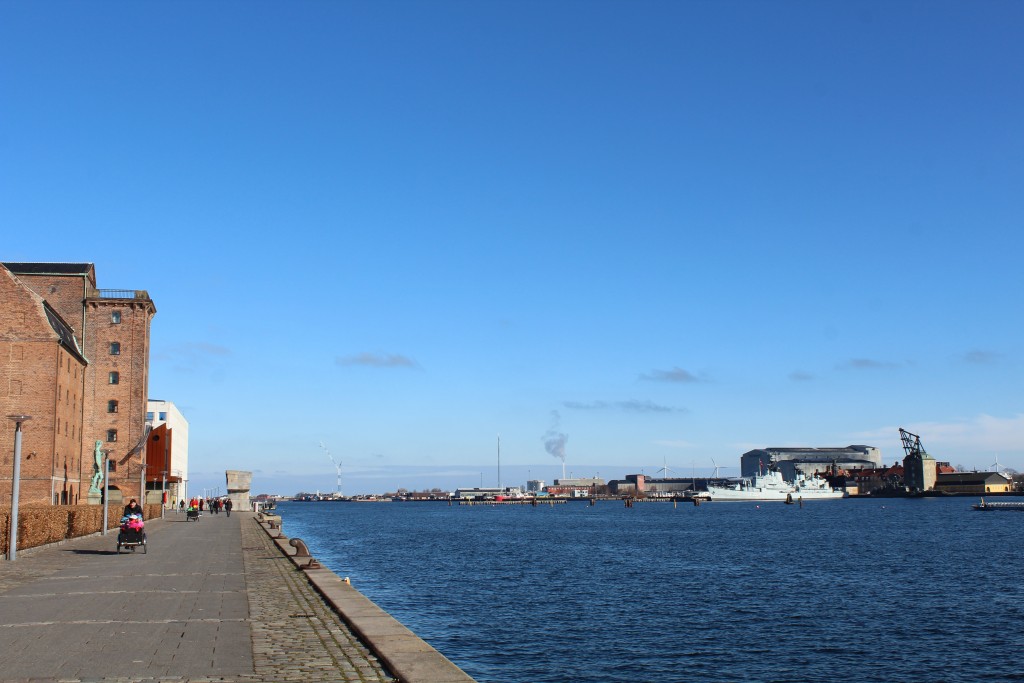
<point>83,551</point>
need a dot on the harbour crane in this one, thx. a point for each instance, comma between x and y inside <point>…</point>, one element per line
<point>911,444</point>
<point>917,477</point>
<point>337,466</point>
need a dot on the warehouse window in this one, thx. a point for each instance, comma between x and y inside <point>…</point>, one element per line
<point>111,406</point>
<point>115,378</point>
<point>115,348</point>
<point>115,317</point>
<point>111,435</point>
<point>163,416</point>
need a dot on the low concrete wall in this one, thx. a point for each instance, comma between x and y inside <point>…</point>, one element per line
<point>405,654</point>
<point>40,525</point>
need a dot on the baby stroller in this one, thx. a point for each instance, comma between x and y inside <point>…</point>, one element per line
<point>192,514</point>
<point>132,534</point>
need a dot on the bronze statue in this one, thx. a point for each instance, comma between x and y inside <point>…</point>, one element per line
<point>97,469</point>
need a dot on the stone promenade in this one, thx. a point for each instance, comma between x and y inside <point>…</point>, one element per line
<point>213,600</point>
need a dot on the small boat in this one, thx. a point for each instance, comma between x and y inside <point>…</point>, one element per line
<point>1015,505</point>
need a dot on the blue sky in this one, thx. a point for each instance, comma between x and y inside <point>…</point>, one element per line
<point>668,231</point>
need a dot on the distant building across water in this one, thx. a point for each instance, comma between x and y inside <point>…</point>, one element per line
<point>807,460</point>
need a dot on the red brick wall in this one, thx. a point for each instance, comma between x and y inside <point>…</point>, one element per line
<point>34,370</point>
<point>66,294</point>
<point>67,455</point>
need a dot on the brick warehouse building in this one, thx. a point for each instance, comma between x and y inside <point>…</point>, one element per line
<point>42,374</point>
<point>111,331</point>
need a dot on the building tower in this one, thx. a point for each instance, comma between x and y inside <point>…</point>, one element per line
<point>919,468</point>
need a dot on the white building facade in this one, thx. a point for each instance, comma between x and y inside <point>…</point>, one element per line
<point>158,413</point>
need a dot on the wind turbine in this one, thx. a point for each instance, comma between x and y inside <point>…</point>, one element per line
<point>664,469</point>
<point>997,467</point>
<point>337,466</point>
<point>715,475</point>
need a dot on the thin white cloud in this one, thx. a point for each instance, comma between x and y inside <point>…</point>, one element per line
<point>192,358</point>
<point>981,357</point>
<point>801,376</point>
<point>673,443</point>
<point>676,374</point>
<point>961,439</point>
<point>630,406</point>
<point>192,351</point>
<point>377,360</point>
<point>868,364</point>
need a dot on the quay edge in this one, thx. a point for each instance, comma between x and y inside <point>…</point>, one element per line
<point>407,656</point>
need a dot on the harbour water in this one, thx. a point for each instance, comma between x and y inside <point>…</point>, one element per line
<point>865,590</point>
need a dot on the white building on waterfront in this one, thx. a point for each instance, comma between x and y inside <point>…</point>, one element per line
<point>159,413</point>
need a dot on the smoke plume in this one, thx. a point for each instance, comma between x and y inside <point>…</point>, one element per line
<point>554,440</point>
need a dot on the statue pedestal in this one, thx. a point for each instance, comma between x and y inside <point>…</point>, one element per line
<point>238,483</point>
<point>95,498</point>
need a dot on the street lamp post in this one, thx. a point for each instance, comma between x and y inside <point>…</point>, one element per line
<point>106,486</point>
<point>12,552</point>
<point>163,493</point>
<point>142,485</point>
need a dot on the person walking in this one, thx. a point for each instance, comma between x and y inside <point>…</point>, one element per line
<point>227,507</point>
<point>181,505</point>
<point>201,502</point>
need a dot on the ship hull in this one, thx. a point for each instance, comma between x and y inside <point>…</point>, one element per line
<point>718,494</point>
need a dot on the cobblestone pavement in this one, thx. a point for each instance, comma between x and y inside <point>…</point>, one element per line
<point>212,600</point>
<point>289,617</point>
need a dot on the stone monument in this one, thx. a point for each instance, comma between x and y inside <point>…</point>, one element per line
<point>238,488</point>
